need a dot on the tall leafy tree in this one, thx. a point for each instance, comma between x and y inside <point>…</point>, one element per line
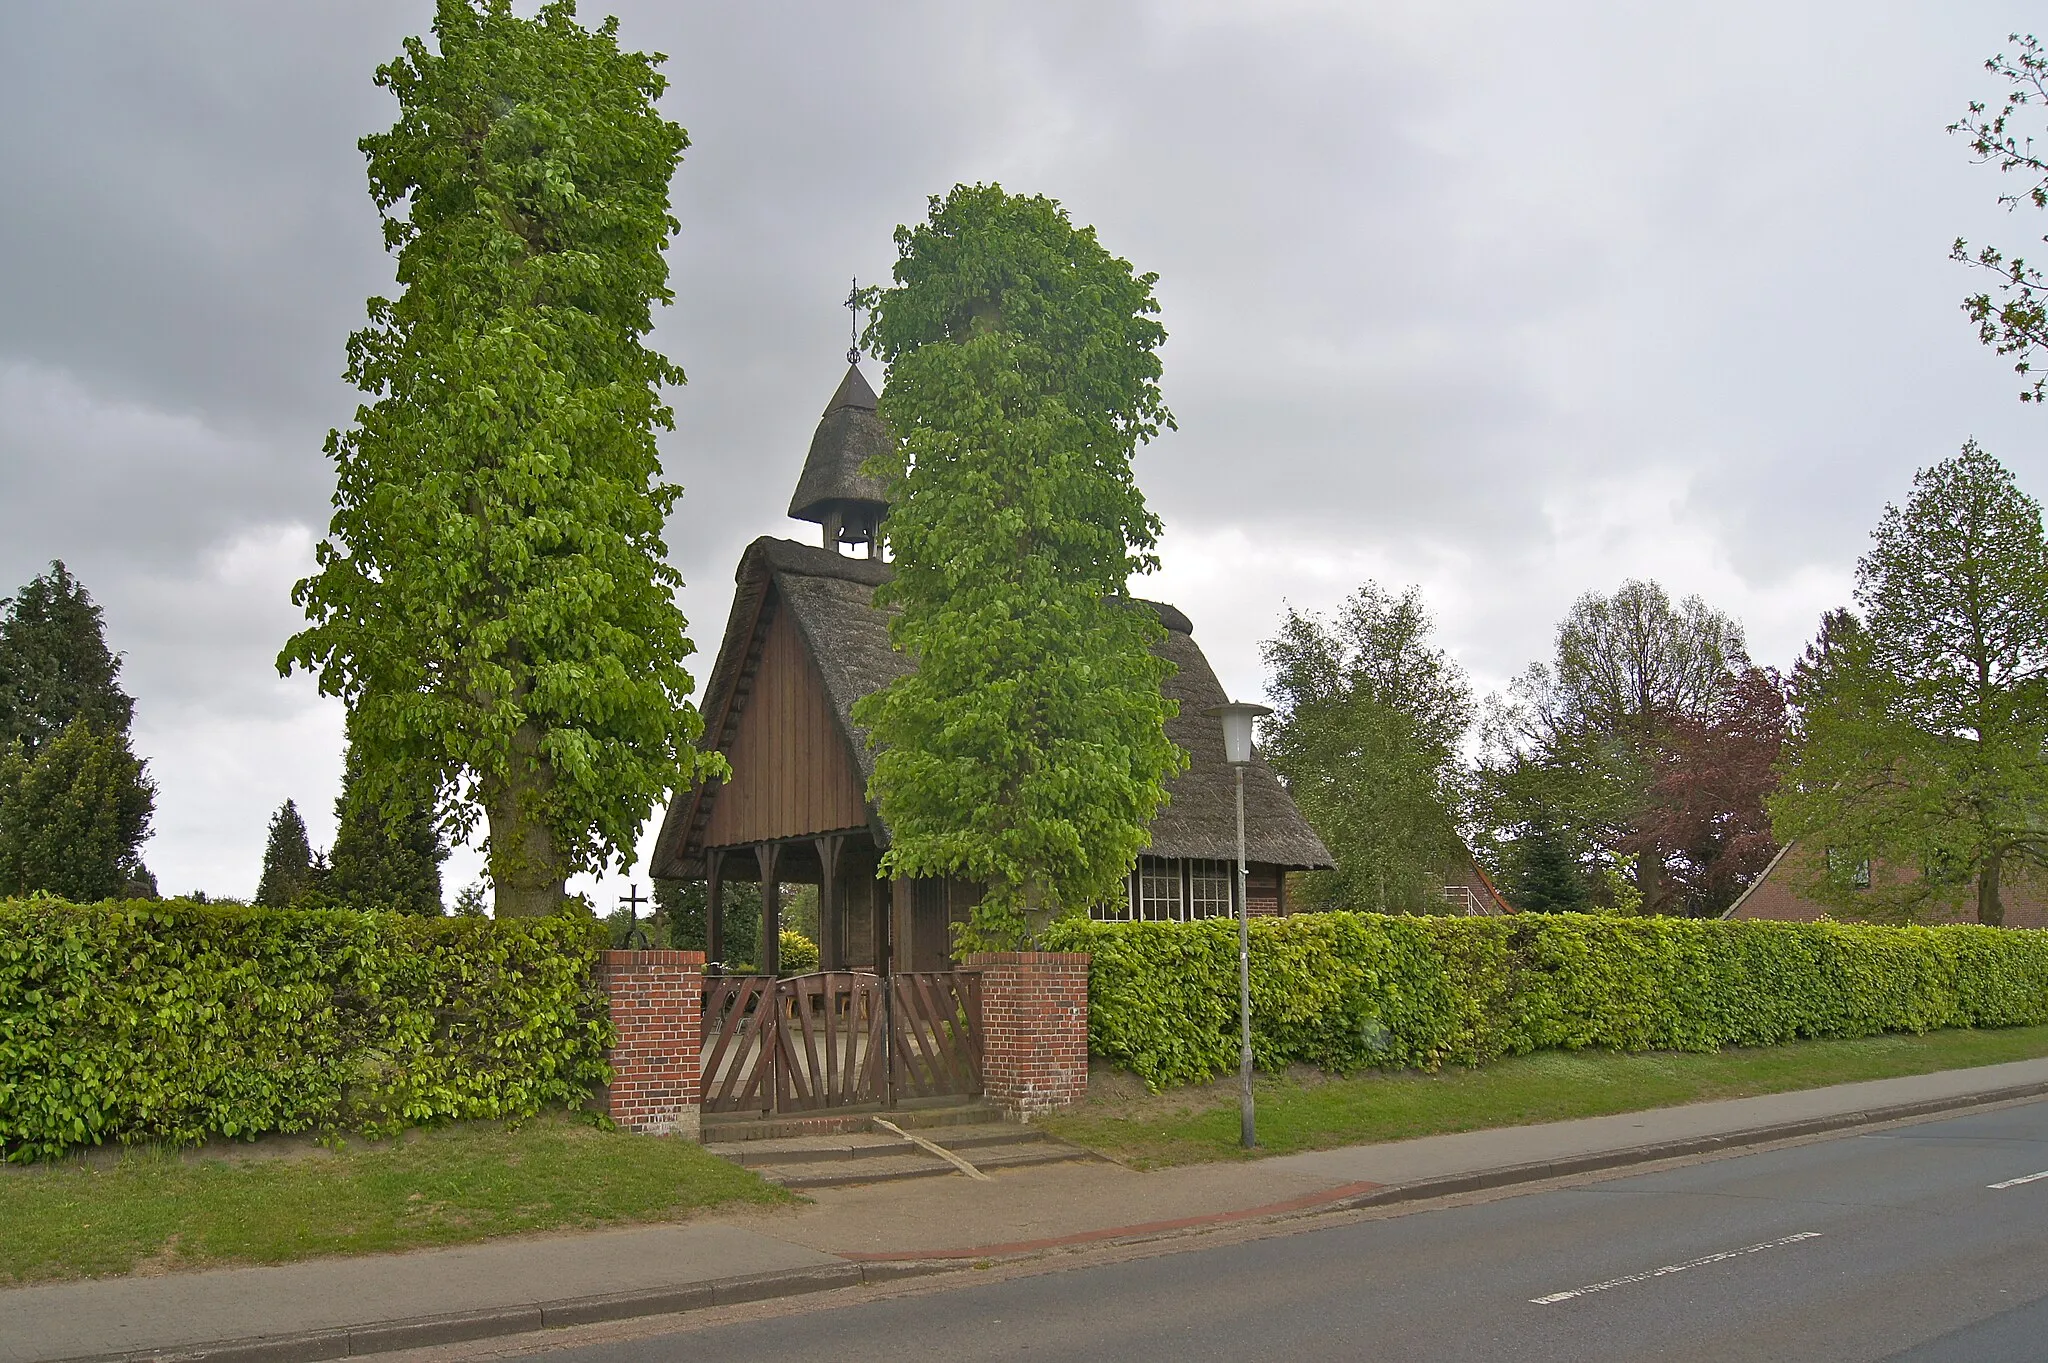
<point>1369,718</point>
<point>387,852</point>
<point>288,862</point>
<point>2012,313</point>
<point>493,599</point>
<point>1618,750</point>
<point>55,666</point>
<point>1923,734</point>
<point>1705,819</point>
<point>1027,750</point>
<point>73,816</point>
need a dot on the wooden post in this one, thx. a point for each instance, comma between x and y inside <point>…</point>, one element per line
<point>831,945</point>
<point>769,854</point>
<point>714,909</point>
<point>902,954</point>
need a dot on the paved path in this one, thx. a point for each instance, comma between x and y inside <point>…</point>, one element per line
<point>850,1234</point>
<point>1891,1244</point>
<point>179,1310</point>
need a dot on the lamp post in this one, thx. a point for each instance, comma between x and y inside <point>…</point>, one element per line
<point>1237,720</point>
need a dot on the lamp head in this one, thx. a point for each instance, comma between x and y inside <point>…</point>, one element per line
<point>1237,717</point>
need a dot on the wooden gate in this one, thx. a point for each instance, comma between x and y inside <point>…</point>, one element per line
<point>839,1038</point>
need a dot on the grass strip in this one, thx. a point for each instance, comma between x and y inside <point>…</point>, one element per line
<point>1304,1110</point>
<point>275,1201</point>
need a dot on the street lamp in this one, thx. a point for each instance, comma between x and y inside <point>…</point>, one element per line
<point>1237,720</point>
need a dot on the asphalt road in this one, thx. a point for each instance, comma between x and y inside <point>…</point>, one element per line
<point>1888,1245</point>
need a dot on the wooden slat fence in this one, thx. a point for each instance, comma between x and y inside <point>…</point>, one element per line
<point>839,1038</point>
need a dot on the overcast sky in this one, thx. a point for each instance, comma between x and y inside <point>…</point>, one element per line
<point>1510,301</point>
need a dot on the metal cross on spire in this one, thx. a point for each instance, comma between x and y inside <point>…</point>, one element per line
<point>853,304</point>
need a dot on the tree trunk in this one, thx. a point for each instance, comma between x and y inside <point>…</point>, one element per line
<point>1649,880</point>
<point>1990,908</point>
<point>526,864</point>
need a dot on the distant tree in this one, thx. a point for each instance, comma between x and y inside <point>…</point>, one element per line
<point>1614,751</point>
<point>680,908</point>
<point>387,853</point>
<point>1922,737</point>
<point>1369,718</point>
<point>2011,317</point>
<point>75,802</point>
<point>494,599</point>
<point>287,861</point>
<point>1545,877</point>
<point>1820,678</point>
<point>55,666</point>
<point>73,815</point>
<point>1704,817</point>
<point>1027,750</point>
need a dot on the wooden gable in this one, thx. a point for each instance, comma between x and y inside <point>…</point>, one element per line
<point>792,772</point>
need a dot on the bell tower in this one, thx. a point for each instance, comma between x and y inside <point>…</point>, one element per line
<point>833,491</point>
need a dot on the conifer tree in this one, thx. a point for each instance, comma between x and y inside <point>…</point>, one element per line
<point>75,802</point>
<point>73,815</point>
<point>494,599</point>
<point>1027,751</point>
<point>1546,878</point>
<point>387,854</point>
<point>55,666</point>
<point>287,861</point>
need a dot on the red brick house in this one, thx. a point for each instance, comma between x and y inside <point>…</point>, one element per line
<point>1777,894</point>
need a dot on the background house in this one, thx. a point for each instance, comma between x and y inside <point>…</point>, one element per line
<point>1779,894</point>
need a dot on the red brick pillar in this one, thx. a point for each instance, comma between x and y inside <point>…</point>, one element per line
<point>657,999</point>
<point>1034,1029</point>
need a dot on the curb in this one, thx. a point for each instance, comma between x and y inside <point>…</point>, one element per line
<point>1507,1176</point>
<point>317,1346</point>
<point>355,1341</point>
<point>1359,1196</point>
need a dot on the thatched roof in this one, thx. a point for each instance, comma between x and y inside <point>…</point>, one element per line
<point>847,436</point>
<point>831,600</point>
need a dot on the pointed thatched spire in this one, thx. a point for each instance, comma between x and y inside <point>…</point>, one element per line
<point>833,491</point>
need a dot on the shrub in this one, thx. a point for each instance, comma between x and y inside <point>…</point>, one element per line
<point>174,1021</point>
<point>1348,991</point>
<point>799,953</point>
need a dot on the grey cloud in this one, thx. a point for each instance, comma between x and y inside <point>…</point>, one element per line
<point>1511,301</point>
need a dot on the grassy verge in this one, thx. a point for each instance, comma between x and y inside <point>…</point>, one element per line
<point>1308,1111</point>
<point>291,1199</point>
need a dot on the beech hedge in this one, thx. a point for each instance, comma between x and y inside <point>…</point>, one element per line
<point>1350,991</point>
<point>171,1021</point>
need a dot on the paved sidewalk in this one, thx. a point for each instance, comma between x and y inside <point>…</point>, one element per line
<point>505,1278</point>
<point>336,1307</point>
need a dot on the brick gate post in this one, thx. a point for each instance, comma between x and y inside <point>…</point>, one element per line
<point>1034,1029</point>
<point>657,998</point>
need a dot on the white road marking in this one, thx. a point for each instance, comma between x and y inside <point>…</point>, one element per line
<point>2016,1182</point>
<point>1556,1297</point>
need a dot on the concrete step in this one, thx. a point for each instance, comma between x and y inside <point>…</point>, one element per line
<point>832,1162</point>
<point>966,1140</point>
<point>1025,1155</point>
<point>844,1173</point>
<point>725,1128</point>
<point>956,1112</point>
<point>811,1149</point>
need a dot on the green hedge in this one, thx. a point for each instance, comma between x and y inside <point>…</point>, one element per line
<point>169,1021</point>
<point>1348,991</point>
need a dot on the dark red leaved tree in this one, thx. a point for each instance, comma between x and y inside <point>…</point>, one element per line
<point>1704,816</point>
